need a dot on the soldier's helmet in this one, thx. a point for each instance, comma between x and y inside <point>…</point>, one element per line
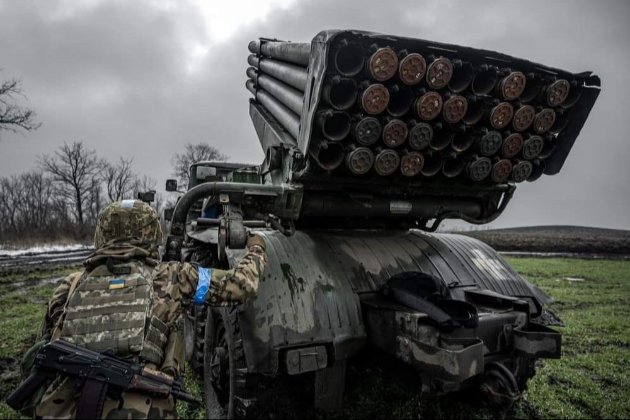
<point>127,219</point>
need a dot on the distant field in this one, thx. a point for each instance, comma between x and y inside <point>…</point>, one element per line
<point>557,239</point>
<point>592,379</point>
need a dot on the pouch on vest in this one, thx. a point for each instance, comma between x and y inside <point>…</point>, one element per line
<point>111,311</point>
<point>174,353</point>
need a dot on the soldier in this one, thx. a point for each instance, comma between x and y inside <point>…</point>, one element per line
<point>126,302</point>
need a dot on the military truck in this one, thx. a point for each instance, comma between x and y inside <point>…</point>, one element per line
<point>370,142</point>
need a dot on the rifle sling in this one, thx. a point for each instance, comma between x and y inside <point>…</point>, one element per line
<point>92,399</point>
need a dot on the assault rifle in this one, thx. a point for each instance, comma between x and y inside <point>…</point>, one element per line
<point>61,357</point>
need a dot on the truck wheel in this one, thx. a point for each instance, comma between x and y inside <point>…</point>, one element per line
<point>198,348</point>
<point>189,335</point>
<point>225,370</point>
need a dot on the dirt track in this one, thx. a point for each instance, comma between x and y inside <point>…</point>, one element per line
<point>48,259</point>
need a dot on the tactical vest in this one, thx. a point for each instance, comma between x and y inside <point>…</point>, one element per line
<point>113,312</point>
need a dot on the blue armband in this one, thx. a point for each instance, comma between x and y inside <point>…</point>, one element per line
<point>203,285</point>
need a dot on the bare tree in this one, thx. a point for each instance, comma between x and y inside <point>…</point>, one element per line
<point>11,193</point>
<point>12,115</point>
<point>193,153</point>
<point>76,171</point>
<point>144,184</point>
<point>120,179</point>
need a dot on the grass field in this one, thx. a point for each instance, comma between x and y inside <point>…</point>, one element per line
<point>592,379</point>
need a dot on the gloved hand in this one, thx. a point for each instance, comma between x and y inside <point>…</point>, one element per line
<point>255,240</point>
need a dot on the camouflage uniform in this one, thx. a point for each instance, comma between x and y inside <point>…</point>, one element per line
<point>125,234</point>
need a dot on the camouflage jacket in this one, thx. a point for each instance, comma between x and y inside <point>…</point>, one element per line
<point>174,285</point>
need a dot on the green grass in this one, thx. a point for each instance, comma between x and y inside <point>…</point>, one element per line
<point>591,379</point>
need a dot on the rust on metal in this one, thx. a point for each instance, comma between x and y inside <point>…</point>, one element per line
<point>412,68</point>
<point>454,109</point>
<point>522,170</point>
<point>375,99</point>
<point>512,145</point>
<point>429,106</point>
<point>439,73</point>
<point>395,133</point>
<point>383,64</point>
<point>513,85</point>
<point>532,147</point>
<point>360,160</point>
<point>544,120</point>
<point>501,170</point>
<point>501,115</point>
<point>386,162</point>
<point>411,164</point>
<point>420,136</point>
<point>523,118</point>
<point>558,92</point>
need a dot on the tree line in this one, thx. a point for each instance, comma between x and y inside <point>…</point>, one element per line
<point>62,197</point>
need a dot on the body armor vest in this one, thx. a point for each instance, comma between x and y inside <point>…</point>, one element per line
<point>113,312</point>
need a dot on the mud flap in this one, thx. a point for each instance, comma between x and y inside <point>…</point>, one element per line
<point>536,341</point>
<point>446,365</point>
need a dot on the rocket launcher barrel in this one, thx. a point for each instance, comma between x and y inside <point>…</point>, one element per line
<point>335,124</point>
<point>284,115</point>
<point>328,155</point>
<point>292,75</point>
<point>289,96</point>
<point>293,52</point>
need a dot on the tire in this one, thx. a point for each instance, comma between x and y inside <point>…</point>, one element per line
<point>225,371</point>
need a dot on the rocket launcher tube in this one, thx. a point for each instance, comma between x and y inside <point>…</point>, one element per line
<point>367,131</point>
<point>335,125</point>
<point>386,162</point>
<point>290,74</point>
<point>432,164</point>
<point>411,163</point>
<point>400,100</point>
<point>289,96</point>
<point>462,141</point>
<point>359,160</point>
<point>485,80</point>
<point>293,52</point>
<point>328,155</point>
<point>462,76</point>
<point>349,58</point>
<point>533,86</point>
<point>453,166</point>
<point>420,135</point>
<point>284,115</point>
<point>340,92</point>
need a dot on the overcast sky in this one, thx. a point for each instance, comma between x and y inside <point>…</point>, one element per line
<point>142,78</point>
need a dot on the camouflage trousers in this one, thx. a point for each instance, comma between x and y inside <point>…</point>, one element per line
<point>62,397</point>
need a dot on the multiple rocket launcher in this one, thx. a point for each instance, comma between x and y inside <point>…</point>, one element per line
<point>413,111</point>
